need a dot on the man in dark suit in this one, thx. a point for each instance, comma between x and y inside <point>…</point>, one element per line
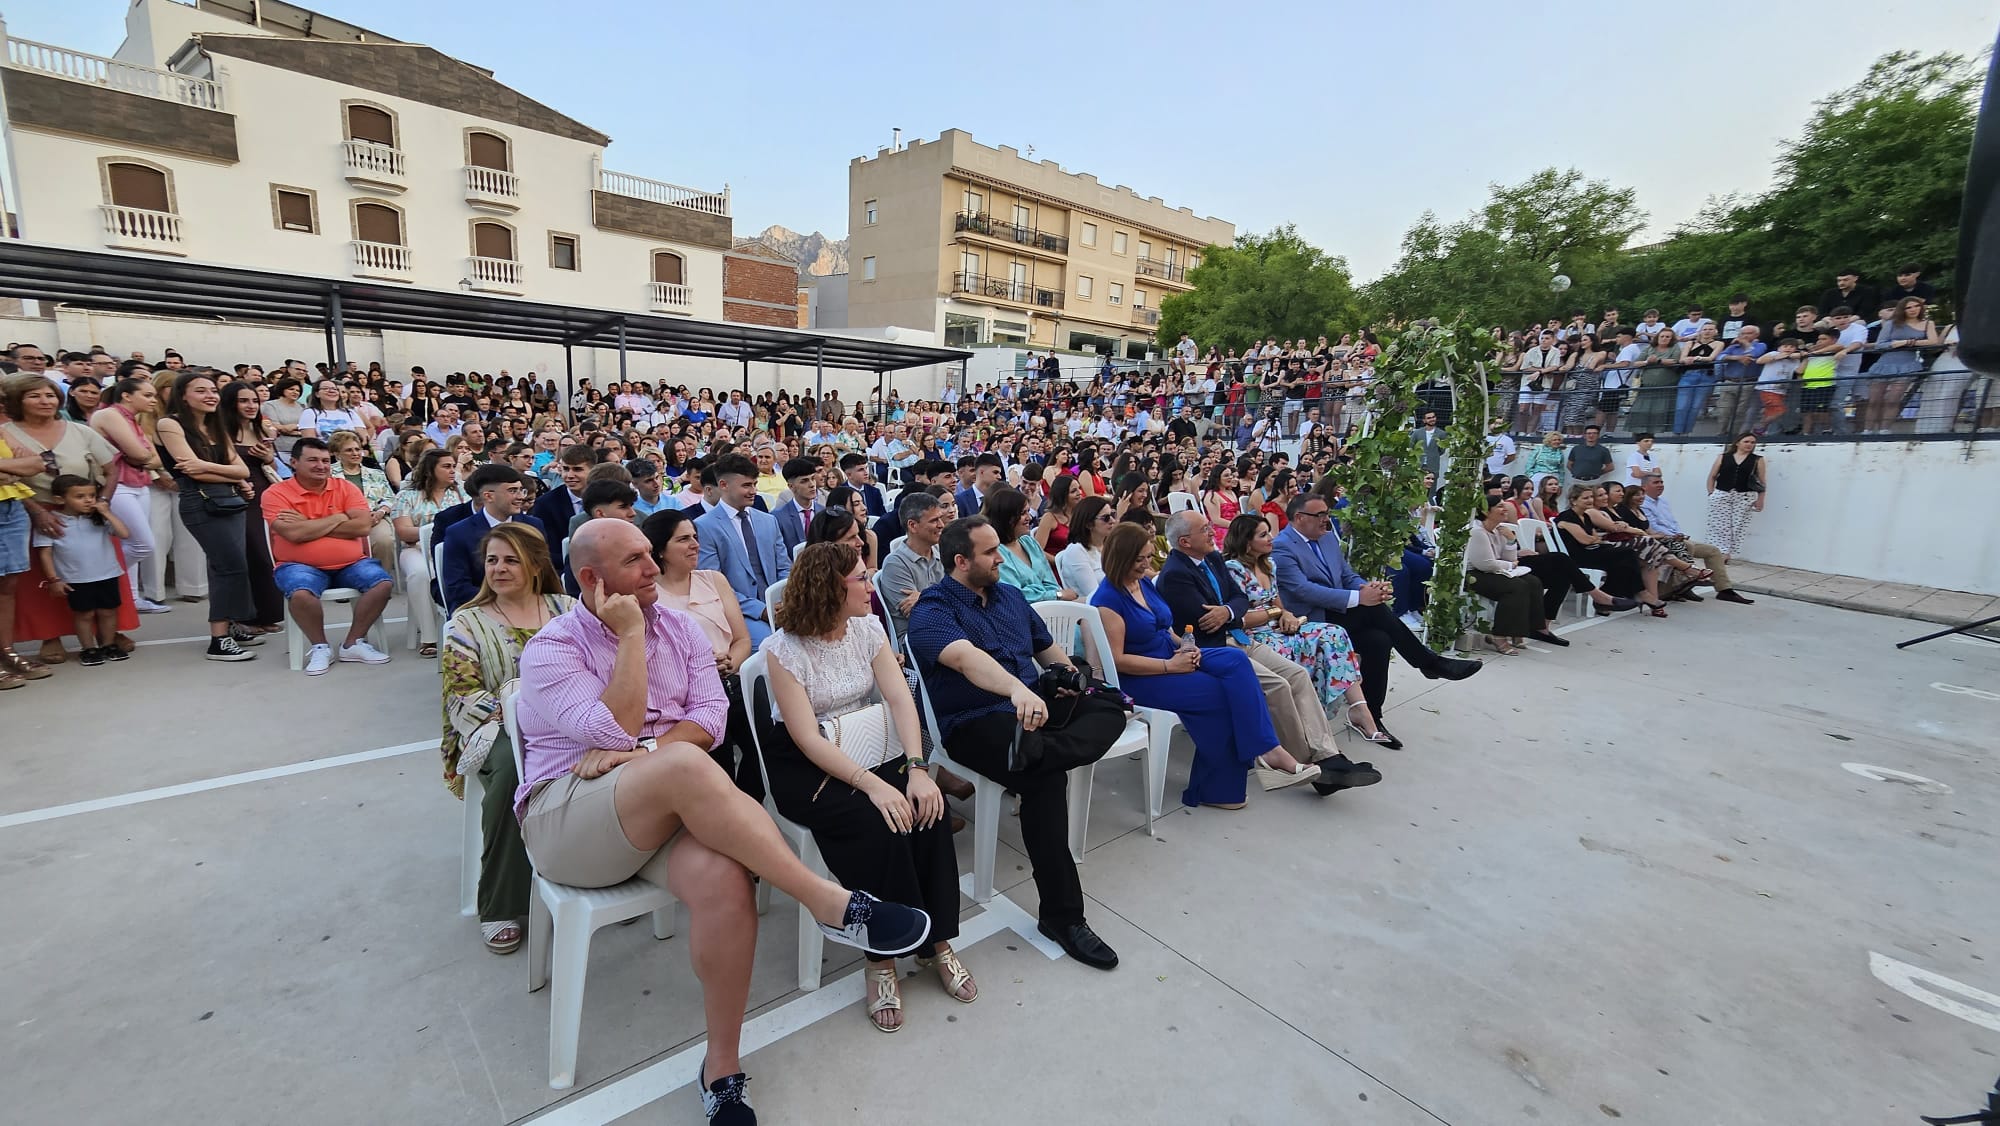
<point>499,492</point>
<point>795,514</point>
<point>1315,580</point>
<point>1203,594</point>
<point>986,474</point>
<point>855,468</point>
<point>1429,441</point>
<point>742,543</point>
<point>557,506</point>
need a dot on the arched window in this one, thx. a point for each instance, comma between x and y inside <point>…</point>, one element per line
<point>488,150</point>
<point>376,222</point>
<point>138,185</point>
<point>367,123</point>
<point>493,240</point>
<point>668,268</point>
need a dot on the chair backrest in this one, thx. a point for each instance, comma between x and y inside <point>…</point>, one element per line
<point>1178,501</point>
<point>889,613</point>
<point>928,715</point>
<point>755,675</point>
<point>1532,530</point>
<point>510,715</point>
<point>798,547</point>
<point>1064,619</point>
<point>774,594</point>
<point>893,544</point>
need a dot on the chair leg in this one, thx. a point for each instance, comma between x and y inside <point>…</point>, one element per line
<point>1159,743</point>
<point>571,953</point>
<point>1146,780</point>
<point>985,837</point>
<point>763,897</point>
<point>663,922</point>
<point>295,642</point>
<point>1079,809</point>
<point>540,937</point>
<point>812,944</point>
<point>473,843</point>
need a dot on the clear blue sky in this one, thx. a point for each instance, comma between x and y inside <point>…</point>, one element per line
<point>1346,119</point>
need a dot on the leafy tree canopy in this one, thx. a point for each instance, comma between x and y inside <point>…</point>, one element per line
<point>1265,285</point>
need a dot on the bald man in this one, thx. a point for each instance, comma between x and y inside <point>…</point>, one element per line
<point>619,705</point>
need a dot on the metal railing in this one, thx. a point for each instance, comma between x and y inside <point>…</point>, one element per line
<point>493,183</point>
<point>670,295</point>
<point>494,271</point>
<point>1154,268</point>
<point>128,226</point>
<point>1141,315</point>
<point>372,159</point>
<point>145,81</point>
<point>981,223</point>
<point>659,191</point>
<point>379,257</point>
<point>1006,289</point>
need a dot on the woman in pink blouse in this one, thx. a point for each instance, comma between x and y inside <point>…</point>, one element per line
<point>705,596</point>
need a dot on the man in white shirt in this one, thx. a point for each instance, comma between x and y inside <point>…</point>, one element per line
<point>735,413</point>
<point>1107,427</point>
<point>1184,353</point>
<point>445,425</point>
<point>1847,368</point>
<point>1500,449</point>
<point>1688,326</point>
<point>1660,515</point>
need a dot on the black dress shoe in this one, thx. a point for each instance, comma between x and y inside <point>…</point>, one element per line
<point>1339,773</point>
<point>1452,668</point>
<point>1547,638</point>
<point>1388,739</point>
<point>1732,596</point>
<point>1686,595</point>
<point>1080,942</point>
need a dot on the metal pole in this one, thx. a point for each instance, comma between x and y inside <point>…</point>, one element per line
<point>819,371</point>
<point>569,378</point>
<point>746,379</point>
<point>621,351</point>
<point>339,334</point>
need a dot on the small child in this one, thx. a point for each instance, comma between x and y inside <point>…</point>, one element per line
<point>83,565</point>
<point>1816,379</point>
<point>1774,383</point>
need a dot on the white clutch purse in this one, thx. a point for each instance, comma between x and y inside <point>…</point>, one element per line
<point>867,736</point>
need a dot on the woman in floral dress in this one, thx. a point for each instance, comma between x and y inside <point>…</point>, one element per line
<point>1321,648</point>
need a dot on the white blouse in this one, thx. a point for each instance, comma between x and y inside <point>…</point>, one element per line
<point>838,676</point>
<point>1080,569</point>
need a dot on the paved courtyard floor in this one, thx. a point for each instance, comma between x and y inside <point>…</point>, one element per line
<point>1655,877</point>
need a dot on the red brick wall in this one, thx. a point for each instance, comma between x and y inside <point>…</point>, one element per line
<point>757,279</point>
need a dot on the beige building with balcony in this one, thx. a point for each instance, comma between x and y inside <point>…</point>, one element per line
<point>982,245</point>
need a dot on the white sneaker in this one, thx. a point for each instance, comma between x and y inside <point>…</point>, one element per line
<point>365,653</point>
<point>319,658</point>
<point>148,606</point>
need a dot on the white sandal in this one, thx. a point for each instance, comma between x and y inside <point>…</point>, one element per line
<point>887,998</point>
<point>1275,779</point>
<point>960,976</point>
<point>490,933</point>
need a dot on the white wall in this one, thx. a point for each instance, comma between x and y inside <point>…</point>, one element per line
<point>1905,512</point>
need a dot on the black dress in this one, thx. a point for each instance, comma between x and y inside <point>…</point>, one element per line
<point>264,591</point>
<point>1620,565</point>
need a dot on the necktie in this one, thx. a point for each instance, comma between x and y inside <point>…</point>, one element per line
<point>750,549</point>
<point>806,517</point>
<point>1319,555</point>
<point>1236,634</point>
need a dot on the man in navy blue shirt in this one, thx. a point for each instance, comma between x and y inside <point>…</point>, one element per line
<point>977,643</point>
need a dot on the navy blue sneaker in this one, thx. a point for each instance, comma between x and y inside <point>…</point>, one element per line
<point>878,928</point>
<point>723,1101</point>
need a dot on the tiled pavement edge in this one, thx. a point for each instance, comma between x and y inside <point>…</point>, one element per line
<point>1898,600</point>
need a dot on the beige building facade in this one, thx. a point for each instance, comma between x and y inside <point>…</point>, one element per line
<point>982,245</point>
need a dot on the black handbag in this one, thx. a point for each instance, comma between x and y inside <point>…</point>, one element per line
<point>220,498</point>
<point>1086,716</point>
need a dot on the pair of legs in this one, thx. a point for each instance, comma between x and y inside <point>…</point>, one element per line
<point>172,538</point>
<point>304,584</point>
<point>129,504</point>
<point>1885,404</point>
<point>1518,605</point>
<point>1296,712</point>
<point>225,562</point>
<point>1560,575</point>
<point>1375,632</point>
<point>416,572</point>
<point>94,628</point>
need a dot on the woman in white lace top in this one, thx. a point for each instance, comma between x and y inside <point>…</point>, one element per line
<point>876,815</point>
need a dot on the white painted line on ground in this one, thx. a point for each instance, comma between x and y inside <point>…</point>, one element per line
<point>94,805</point>
<point>277,636</point>
<point>655,1081</point>
<point>1964,640</point>
<point>1914,983</point>
<point>1962,690</point>
<point>1884,774</point>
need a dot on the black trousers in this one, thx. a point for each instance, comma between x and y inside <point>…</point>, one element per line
<point>735,754</point>
<point>264,592</point>
<point>1517,602</point>
<point>981,745</point>
<point>1622,576</point>
<point>918,868</point>
<point>1375,631</point>
<point>1559,575</point>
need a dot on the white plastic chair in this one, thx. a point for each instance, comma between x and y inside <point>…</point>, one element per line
<point>889,619</point>
<point>755,674</point>
<point>798,547</point>
<point>295,638</point>
<point>1150,730</point>
<point>437,573</point>
<point>1178,501</point>
<point>774,594</point>
<point>472,842</point>
<point>1548,535</point>
<point>561,921</point>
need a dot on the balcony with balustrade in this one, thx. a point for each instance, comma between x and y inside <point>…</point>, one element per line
<point>494,190</point>
<point>659,191</point>
<point>492,275</point>
<point>1144,316</point>
<point>1006,289</point>
<point>379,260</point>
<point>113,74</point>
<point>374,166</point>
<point>667,297</point>
<point>1172,273</point>
<point>136,228</point>
<point>985,226</point>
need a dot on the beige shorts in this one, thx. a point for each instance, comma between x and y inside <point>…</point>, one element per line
<point>571,829</point>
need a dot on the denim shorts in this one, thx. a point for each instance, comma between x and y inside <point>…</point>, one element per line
<point>14,529</point>
<point>362,575</point>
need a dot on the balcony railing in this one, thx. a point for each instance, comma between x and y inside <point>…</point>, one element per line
<point>668,297</point>
<point>379,259</point>
<point>980,223</point>
<point>135,228</point>
<point>501,274</point>
<point>494,189</point>
<point>145,81</point>
<point>373,164</point>
<point>1154,268</point>
<point>1006,290</point>
<point>1144,316</point>
<point>659,191</point>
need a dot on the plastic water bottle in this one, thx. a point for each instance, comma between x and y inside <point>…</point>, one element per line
<point>1187,638</point>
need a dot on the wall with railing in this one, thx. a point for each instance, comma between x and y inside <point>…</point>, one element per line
<point>97,70</point>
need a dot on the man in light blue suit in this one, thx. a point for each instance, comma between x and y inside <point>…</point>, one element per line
<point>1315,580</point>
<point>795,514</point>
<point>742,543</point>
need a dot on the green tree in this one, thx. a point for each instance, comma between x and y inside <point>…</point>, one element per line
<point>1266,285</point>
<point>1497,265</point>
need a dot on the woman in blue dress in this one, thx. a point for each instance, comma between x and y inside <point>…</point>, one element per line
<point>1213,691</point>
<point>1898,360</point>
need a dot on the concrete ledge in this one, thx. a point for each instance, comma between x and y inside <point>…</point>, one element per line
<point>1895,600</point>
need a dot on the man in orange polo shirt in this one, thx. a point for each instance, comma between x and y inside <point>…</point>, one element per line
<point>319,539</point>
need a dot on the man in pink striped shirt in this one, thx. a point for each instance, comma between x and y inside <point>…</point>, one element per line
<point>619,705</point>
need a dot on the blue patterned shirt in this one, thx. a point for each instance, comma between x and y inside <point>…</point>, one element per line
<point>1003,625</point>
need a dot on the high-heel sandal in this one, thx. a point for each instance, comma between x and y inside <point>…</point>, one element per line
<point>1380,737</point>
<point>1498,646</point>
<point>1274,779</point>
<point>885,997</point>
<point>960,976</point>
<point>1659,611</point>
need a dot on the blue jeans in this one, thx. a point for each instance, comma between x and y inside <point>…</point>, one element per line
<point>363,575</point>
<point>1412,596</point>
<point>1692,398</point>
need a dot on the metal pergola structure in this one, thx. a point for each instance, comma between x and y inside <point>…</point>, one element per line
<point>169,287</point>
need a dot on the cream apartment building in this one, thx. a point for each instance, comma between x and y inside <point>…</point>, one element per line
<point>982,245</point>
<point>254,133</point>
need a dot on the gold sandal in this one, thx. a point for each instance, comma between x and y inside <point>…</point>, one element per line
<point>23,667</point>
<point>886,998</point>
<point>960,977</point>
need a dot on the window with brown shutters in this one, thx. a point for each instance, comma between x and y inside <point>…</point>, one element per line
<point>295,211</point>
<point>487,150</point>
<point>136,185</point>
<point>668,269</point>
<point>492,240</point>
<point>374,222</point>
<point>366,123</point>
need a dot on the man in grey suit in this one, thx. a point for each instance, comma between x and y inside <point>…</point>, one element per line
<point>1430,443</point>
<point>742,542</point>
<point>1315,580</point>
<point>795,514</point>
